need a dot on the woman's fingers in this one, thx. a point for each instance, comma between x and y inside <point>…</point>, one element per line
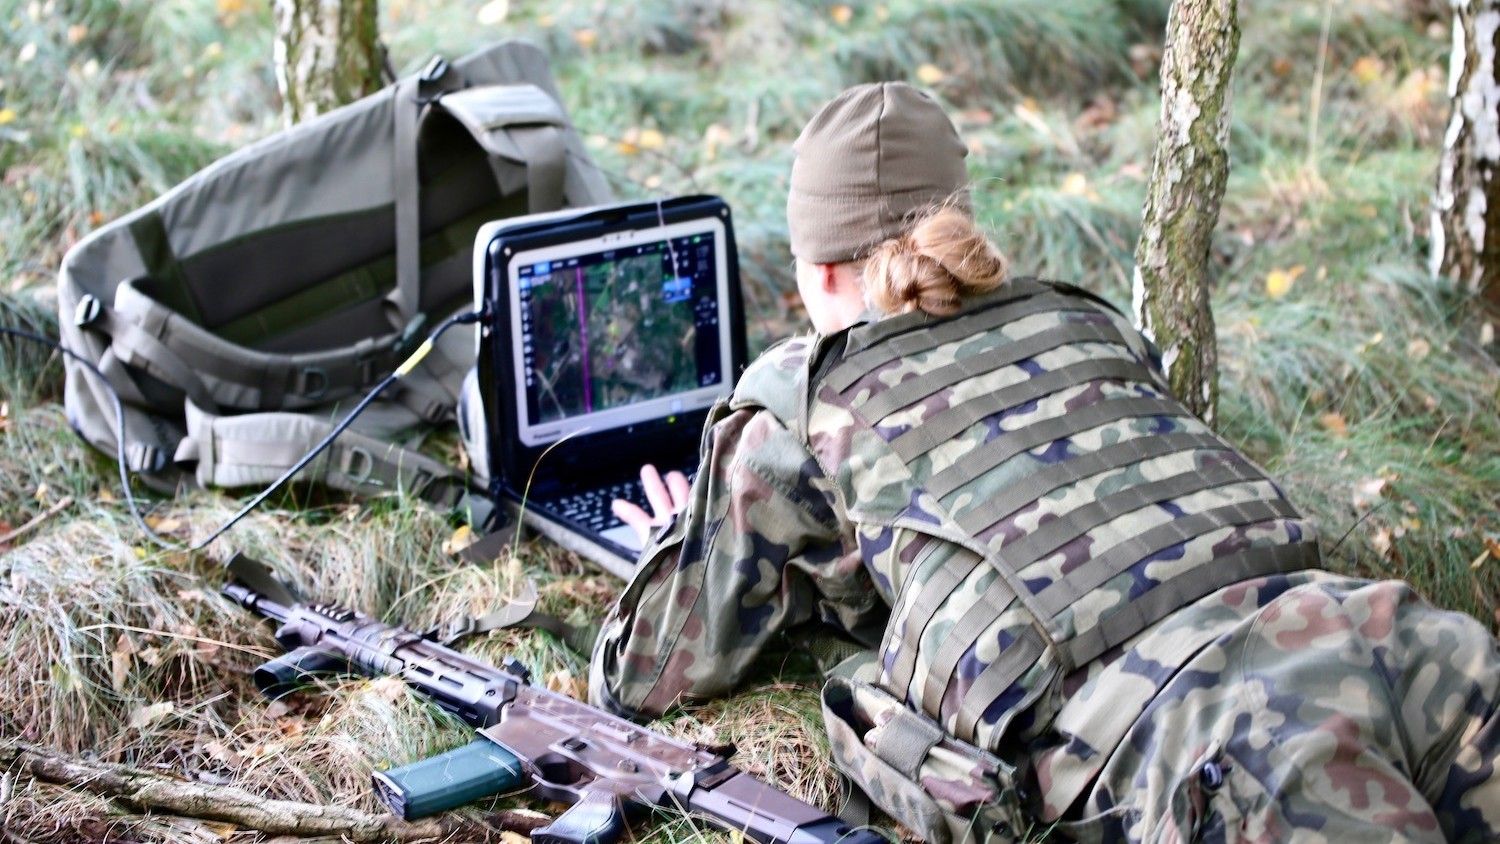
<point>639,520</point>
<point>667,496</point>
<point>678,486</point>
<point>656,493</point>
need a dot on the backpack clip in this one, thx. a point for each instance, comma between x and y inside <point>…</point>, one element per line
<point>88,310</point>
<point>429,81</point>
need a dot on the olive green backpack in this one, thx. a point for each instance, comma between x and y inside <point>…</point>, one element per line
<point>239,314</point>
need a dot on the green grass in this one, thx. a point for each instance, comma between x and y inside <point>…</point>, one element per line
<point>1362,388</point>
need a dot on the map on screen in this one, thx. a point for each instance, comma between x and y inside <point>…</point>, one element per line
<point>616,328</point>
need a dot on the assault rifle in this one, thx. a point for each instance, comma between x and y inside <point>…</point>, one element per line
<point>607,768</point>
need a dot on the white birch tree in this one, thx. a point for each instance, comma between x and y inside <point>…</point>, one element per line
<point>1170,287</point>
<point>327,54</point>
<point>1465,242</point>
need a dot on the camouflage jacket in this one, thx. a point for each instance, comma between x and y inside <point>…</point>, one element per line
<point>996,502</point>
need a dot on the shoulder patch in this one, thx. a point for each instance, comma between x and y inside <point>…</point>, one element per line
<point>777,379</point>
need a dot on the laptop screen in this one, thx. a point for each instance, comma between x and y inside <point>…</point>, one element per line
<point>619,330</point>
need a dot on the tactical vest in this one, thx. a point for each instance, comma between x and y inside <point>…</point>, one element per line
<point>1030,496</point>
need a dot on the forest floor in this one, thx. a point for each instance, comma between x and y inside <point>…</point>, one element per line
<point>1369,388</point>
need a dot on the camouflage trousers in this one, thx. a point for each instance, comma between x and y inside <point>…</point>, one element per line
<point>1343,710</point>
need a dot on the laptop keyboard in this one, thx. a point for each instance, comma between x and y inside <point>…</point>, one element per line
<point>591,508</point>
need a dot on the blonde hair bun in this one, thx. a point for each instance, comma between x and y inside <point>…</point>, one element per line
<point>939,261</point>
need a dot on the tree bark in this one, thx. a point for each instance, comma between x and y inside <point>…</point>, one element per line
<point>1170,287</point>
<point>147,791</point>
<point>327,54</point>
<point>1466,210</point>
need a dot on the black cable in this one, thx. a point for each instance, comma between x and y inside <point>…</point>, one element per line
<point>114,398</point>
<point>466,318</point>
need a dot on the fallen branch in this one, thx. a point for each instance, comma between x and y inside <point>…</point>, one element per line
<point>149,791</point>
<point>60,506</point>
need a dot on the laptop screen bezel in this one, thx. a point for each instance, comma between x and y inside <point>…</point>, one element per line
<point>534,434</point>
<point>512,468</point>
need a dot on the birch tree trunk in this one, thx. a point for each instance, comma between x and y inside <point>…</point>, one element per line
<point>1170,288</point>
<point>1466,209</point>
<point>327,54</point>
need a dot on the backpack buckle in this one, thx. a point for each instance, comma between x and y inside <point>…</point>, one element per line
<point>88,309</point>
<point>429,80</point>
<point>312,382</point>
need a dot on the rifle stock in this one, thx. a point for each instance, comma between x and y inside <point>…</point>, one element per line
<point>606,768</point>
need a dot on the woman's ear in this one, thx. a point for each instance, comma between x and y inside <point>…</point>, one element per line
<point>828,277</point>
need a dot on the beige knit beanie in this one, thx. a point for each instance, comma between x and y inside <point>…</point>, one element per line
<point>870,157</point>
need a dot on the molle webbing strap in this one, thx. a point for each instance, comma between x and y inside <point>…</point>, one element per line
<point>997,597</point>
<point>237,377</point>
<point>1043,482</point>
<point>404,296</point>
<point>1141,612</point>
<point>133,346</point>
<point>884,342</point>
<point>546,165</point>
<point>914,620</point>
<point>904,741</point>
<point>948,424</point>
<point>982,459</point>
<point>1117,559</point>
<point>1047,538</point>
<point>912,390</point>
<point>996,678</point>
<point>256,448</point>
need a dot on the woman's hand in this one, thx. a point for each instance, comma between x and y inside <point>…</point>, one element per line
<point>667,496</point>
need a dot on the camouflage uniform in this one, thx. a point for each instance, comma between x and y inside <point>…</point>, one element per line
<point>1084,609</point>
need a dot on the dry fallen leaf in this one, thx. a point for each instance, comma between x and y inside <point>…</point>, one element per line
<point>1369,491</point>
<point>1382,541</point>
<point>145,716</point>
<point>566,683</point>
<point>493,13</point>
<point>715,136</point>
<point>218,751</point>
<point>1074,184</point>
<point>1367,69</point>
<point>1334,423</point>
<point>930,74</point>
<point>651,139</point>
<point>461,538</point>
<point>1418,349</point>
<point>1279,281</point>
<point>390,688</point>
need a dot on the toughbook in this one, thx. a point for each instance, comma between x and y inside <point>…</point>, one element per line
<point>609,334</point>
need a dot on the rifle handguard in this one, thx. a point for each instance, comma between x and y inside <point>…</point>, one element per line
<point>439,783</point>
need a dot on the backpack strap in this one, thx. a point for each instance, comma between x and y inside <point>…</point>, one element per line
<point>410,101</point>
<point>215,373</point>
<point>255,448</point>
<point>518,125</point>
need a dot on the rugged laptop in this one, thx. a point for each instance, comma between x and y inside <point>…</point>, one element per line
<point>613,330</point>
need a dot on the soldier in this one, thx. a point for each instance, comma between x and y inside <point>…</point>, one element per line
<point>1086,613</point>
